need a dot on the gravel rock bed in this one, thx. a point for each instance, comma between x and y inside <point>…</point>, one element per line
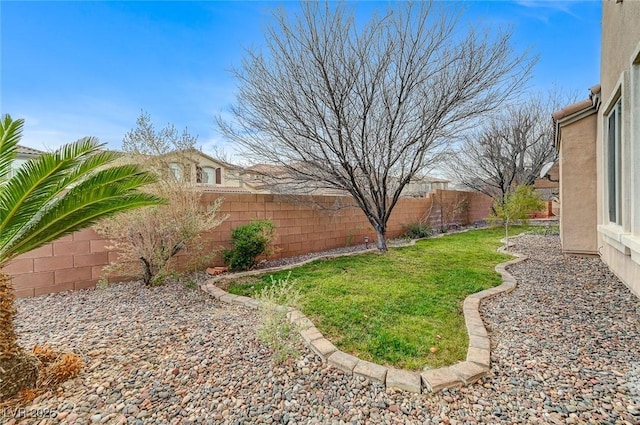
<point>565,350</point>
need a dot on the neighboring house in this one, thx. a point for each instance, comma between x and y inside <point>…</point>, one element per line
<point>420,186</point>
<point>264,178</point>
<point>599,143</point>
<point>208,173</point>
<point>270,179</point>
<point>548,187</point>
<point>24,154</point>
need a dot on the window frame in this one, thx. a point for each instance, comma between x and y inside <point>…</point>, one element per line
<point>617,235</point>
<point>177,171</point>
<point>631,241</point>
<point>613,162</point>
<point>210,175</point>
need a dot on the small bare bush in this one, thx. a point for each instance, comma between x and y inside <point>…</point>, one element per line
<point>276,331</point>
<point>149,238</point>
<point>155,235</point>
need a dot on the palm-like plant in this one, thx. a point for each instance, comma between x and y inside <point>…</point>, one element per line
<point>51,196</point>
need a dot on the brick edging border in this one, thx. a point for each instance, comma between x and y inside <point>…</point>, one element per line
<point>476,365</point>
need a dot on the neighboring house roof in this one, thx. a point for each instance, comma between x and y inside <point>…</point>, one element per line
<point>265,169</point>
<point>428,179</point>
<point>274,179</point>
<point>25,150</point>
<point>218,189</point>
<point>210,158</point>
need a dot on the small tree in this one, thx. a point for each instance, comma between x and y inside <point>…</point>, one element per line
<point>154,235</point>
<point>516,205</point>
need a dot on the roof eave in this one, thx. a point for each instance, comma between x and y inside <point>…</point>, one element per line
<point>575,112</point>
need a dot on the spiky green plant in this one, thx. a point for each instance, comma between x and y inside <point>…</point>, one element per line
<point>52,196</point>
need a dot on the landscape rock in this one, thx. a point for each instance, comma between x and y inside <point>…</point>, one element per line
<point>564,349</point>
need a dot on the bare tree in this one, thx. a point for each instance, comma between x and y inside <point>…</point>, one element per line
<point>509,150</point>
<point>364,107</point>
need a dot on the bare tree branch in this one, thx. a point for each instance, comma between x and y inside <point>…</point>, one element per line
<point>509,150</point>
<point>365,107</point>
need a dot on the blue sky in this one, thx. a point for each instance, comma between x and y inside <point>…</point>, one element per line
<point>81,68</point>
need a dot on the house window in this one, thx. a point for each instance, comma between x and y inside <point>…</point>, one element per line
<point>614,162</point>
<point>176,171</point>
<point>207,175</point>
<point>218,175</point>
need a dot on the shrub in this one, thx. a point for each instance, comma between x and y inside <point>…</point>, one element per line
<point>149,238</point>
<point>417,230</point>
<point>155,235</point>
<point>249,241</point>
<point>276,331</point>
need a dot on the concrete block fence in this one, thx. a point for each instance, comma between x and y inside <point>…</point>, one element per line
<point>70,263</point>
<point>302,226</point>
<point>475,366</point>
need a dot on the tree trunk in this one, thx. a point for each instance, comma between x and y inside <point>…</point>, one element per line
<point>8,338</point>
<point>18,370</point>
<point>147,274</point>
<point>506,233</point>
<point>381,243</point>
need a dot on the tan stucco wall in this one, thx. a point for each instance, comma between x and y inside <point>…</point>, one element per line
<point>620,38</point>
<point>578,186</point>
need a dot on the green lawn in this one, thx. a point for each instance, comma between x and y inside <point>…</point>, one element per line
<point>393,308</point>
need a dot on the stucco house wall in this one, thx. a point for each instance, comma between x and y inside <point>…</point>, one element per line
<point>619,237</point>
<point>577,173</point>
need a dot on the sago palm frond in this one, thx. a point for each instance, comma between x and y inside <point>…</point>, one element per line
<point>41,180</point>
<point>10,132</point>
<point>61,192</point>
<point>105,193</point>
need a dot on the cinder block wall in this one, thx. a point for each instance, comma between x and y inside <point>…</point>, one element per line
<point>302,226</point>
<point>72,262</point>
<point>479,207</point>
